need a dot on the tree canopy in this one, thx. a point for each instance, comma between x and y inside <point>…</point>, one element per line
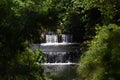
<point>18,25</point>
<point>23,22</point>
<point>101,61</point>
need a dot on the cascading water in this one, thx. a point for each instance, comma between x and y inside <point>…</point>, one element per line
<point>60,58</point>
<point>51,39</point>
<point>66,38</point>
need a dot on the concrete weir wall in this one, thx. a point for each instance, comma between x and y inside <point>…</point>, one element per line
<point>60,57</point>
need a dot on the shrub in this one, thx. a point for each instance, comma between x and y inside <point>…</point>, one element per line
<point>102,59</point>
<point>26,65</point>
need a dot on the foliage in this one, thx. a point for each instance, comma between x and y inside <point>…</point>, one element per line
<point>21,65</point>
<point>101,60</point>
<point>72,16</point>
<point>24,21</point>
<point>96,12</point>
<point>19,27</point>
<point>109,8</point>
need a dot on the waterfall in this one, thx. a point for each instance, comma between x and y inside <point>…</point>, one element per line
<point>55,57</point>
<point>51,39</point>
<point>59,56</point>
<point>66,38</point>
<point>63,52</point>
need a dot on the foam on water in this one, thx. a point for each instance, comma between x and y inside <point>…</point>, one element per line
<point>61,55</point>
<point>69,63</point>
<point>57,44</point>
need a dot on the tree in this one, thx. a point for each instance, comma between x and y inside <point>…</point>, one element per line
<point>17,61</point>
<point>109,8</point>
<point>101,60</point>
<point>97,12</point>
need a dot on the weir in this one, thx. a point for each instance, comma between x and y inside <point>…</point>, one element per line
<point>61,58</point>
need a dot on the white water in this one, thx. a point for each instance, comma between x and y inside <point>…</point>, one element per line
<point>58,44</point>
<point>59,53</point>
<point>66,38</point>
<point>59,57</point>
<point>69,63</point>
<point>51,39</point>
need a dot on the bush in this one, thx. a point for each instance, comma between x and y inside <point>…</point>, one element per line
<point>102,59</point>
<point>25,65</point>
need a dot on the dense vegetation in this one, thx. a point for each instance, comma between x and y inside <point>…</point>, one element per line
<point>17,26</point>
<point>23,22</point>
<point>101,61</point>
